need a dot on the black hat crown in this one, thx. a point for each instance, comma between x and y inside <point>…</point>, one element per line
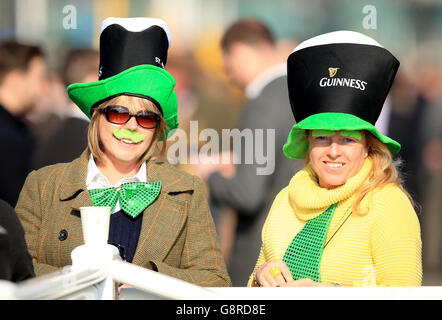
<point>129,42</point>
<point>342,71</point>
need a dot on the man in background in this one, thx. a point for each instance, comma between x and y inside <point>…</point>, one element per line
<point>22,83</point>
<point>69,139</point>
<point>255,65</point>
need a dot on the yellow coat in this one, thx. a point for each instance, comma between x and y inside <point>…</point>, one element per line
<point>379,248</point>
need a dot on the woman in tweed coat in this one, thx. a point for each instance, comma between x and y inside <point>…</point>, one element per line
<point>131,107</point>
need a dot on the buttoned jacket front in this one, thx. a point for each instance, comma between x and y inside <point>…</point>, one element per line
<point>177,232</point>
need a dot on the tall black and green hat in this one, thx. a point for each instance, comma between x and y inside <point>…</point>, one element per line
<point>338,81</point>
<point>133,54</point>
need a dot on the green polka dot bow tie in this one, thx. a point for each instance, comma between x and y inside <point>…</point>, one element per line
<point>134,196</point>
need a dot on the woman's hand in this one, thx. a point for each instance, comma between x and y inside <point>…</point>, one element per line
<point>264,276</point>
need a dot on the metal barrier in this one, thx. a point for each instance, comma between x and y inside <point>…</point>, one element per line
<point>97,269</point>
<point>96,273</point>
<point>91,283</point>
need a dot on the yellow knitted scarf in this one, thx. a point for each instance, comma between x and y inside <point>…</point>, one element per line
<point>308,200</point>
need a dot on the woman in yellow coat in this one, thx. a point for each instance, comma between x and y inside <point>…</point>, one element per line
<point>345,219</point>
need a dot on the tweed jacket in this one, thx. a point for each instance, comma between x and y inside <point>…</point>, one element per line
<point>177,233</point>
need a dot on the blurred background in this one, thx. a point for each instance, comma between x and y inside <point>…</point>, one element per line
<point>410,29</point>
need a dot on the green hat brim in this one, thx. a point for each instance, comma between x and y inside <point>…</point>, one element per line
<point>146,81</point>
<point>297,144</point>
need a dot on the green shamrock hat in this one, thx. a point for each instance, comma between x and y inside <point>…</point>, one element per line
<point>133,54</point>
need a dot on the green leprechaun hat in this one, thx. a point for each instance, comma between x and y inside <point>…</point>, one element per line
<point>338,81</point>
<point>133,54</point>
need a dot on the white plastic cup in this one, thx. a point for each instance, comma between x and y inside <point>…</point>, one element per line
<point>95,224</point>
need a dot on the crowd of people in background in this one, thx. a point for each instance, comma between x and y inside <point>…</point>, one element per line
<point>40,126</point>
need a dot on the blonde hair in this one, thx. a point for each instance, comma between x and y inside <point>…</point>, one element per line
<point>95,146</point>
<point>383,172</point>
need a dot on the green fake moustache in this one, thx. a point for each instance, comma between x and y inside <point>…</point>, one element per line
<point>129,134</point>
<point>355,134</point>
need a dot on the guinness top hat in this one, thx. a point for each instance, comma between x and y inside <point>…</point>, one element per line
<point>338,81</point>
<point>133,54</point>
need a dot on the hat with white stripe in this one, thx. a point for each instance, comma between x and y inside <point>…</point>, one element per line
<point>133,55</point>
<point>338,81</point>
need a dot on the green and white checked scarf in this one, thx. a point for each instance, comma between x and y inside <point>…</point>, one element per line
<point>134,196</point>
<point>303,256</point>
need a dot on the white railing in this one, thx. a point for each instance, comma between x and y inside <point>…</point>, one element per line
<point>92,283</point>
<point>96,273</point>
<point>97,269</point>
<point>98,280</point>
